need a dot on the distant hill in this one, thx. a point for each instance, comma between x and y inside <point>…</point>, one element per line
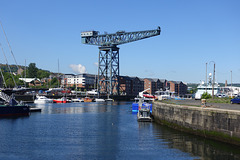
<point>4,68</point>
<point>194,85</point>
<point>14,68</point>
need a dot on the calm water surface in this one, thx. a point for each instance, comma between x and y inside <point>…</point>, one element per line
<point>100,131</point>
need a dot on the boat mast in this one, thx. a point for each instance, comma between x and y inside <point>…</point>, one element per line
<point>25,73</point>
<point>3,78</point>
<point>58,73</point>
<point>8,65</point>
<point>10,48</point>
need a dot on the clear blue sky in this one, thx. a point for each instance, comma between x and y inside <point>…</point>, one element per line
<point>193,34</point>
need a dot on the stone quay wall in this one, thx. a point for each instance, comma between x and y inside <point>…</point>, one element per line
<point>218,124</point>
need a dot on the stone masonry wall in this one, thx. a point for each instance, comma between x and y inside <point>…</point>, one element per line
<point>219,124</point>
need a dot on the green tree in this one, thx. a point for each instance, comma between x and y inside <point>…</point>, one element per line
<point>54,82</point>
<point>42,74</point>
<point>206,95</point>
<point>32,70</point>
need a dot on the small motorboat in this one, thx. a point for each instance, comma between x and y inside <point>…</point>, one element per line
<point>77,100</point>
<point>62,100</point>
<point>141,102</point>
<point>99,100</point>
<point>42,100</point>
<point>144,114</point>
<point>109,100</point>
<point>88,99</point>
<point>143,110</point>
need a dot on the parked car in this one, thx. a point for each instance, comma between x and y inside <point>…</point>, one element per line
<point>221,95</point>
<point>235,100</point>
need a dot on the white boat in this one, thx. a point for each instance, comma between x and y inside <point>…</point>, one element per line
<point>99,100</point>
<point>163,95</point>
<point>42,100</point>
<point>109,100</point>
<point>207,87</point>
<point>77,100</point>
<point>92,92</point>
<point>144,111</point>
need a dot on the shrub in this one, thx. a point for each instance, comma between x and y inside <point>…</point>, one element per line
<point>206,95</point>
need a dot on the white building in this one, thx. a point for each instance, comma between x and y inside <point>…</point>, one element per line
<point>84,80</point>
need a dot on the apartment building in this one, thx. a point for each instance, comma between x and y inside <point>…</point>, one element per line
<point>137,85</point>
<point>82,81</point>
<point>150,84</point>
<point>154,84</point>
<point>179,88</point>
<point>125,85</point>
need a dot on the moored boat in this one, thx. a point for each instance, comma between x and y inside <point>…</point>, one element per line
<point>140,101</point>
<point>109,100</point>
<point>99,100</point>
<point>42,100</point>
<point>207,87</point>
<point>61,100</point>
<point>14,110</point>
<point>77,100</point>
<point>144,113</point>
<point>11,107</point>
<point>88,99</point>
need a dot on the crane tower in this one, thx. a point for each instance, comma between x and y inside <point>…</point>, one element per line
<point>108,60</point>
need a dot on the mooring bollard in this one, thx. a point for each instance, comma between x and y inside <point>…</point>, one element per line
<point>204,102</point>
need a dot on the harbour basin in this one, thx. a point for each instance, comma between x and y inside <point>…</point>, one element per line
<point>106,130</point>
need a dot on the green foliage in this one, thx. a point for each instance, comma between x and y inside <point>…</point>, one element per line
<point>192,91</point>
<point>9,81</point>
<point>32,70</point>
<point>42,74</point>
<point>206,95</point>
<point>54,82</point>
<point>4,68</point>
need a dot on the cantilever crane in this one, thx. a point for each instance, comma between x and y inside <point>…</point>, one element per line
<point>108,62</point>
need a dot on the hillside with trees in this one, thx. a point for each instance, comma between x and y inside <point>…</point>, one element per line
<point>31,72</point>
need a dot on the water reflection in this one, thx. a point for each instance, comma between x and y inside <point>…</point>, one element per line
<point>197,146</point>
<point>75,108</point>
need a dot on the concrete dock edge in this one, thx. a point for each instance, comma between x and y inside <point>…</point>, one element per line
<point>219,124</point>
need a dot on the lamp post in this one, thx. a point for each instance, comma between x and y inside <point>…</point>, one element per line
<point>231,84</point>
<point>206,79</point>
<point>213,79</point>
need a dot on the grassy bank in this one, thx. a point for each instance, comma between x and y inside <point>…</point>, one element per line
<point>179,102</point>
<point>219,100</point>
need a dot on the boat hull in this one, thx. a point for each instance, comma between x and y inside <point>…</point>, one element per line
<point>144,116</point>
<point>42,101</point>
<point>61,101</point>
<point>18,110</point>
<point>87,99</point>
<point>135,106</point>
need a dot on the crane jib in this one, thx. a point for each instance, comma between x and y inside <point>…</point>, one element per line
<point>118,38</point>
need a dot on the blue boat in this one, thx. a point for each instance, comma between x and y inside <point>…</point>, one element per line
<point>140,103</point>
<point>11,107</point>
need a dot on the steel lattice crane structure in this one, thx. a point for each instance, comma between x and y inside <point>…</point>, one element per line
<point>108,60</point>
